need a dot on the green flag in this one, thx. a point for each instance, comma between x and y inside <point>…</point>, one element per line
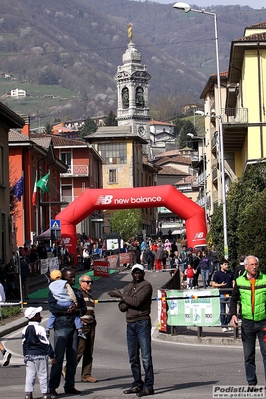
<point>44,183</point>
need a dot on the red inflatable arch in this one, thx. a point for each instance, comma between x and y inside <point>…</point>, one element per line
<point>139,197</point>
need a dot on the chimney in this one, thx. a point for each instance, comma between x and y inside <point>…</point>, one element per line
<point>26,128</point>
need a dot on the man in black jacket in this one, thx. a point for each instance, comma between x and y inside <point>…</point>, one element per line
<point>136,302</point>
<point>65,338</point>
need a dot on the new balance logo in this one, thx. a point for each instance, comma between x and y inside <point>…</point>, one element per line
<point>198,235</point>
<point>104,200</point>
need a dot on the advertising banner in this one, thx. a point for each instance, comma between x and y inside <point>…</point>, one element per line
<point>199,310</point>
<point>112,259</point>
<point>100,268</point>
<point>162,312</point>
<point>125,258</point>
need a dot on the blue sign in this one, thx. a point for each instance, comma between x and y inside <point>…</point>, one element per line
<point>55,224</point>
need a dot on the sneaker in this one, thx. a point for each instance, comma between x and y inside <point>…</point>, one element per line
<point>81,335</point>
<point>53,393</point>
<point>6,359</point>
<point>225,329</point>
<point>145,392</point>
<point>46,396</point>
<point>132,390</point>
<point>28,395</point>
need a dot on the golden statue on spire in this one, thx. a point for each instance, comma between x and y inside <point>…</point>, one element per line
<point>129,32</point>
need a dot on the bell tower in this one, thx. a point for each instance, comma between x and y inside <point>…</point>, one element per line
<point>132,88</point>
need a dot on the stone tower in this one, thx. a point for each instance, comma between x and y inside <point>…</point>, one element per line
<point>132,87</point>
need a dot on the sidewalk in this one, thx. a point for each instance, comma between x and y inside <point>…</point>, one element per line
<point>186,335</point>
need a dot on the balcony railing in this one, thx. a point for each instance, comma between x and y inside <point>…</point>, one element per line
<point>77,170</point>
<point>214,174</point>
<point>201,202</point>
<point>234,116</point>
<point>68,198</point>
<point>201,178</point>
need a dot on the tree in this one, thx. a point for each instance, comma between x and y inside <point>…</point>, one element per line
<point>126,222</point>
<point>48,128</point>
<point>184,126</point>
<point>246,234</point>
<point>110,120</point>
<point>89,127</point>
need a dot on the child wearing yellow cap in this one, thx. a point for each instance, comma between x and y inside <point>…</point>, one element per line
<point>65,296</point>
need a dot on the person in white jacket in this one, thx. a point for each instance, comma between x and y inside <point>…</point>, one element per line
<point>6,355</point>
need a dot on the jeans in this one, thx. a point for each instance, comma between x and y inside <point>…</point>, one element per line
<point>65,340</point>
<point>249,330</point>
<point>139,339</point>
<point>205,277</point>
<point>225,319</point>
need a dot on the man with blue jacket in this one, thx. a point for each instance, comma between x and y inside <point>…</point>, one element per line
<point>250,290</point>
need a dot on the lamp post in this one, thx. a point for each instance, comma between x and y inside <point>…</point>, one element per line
<point>186,7</point>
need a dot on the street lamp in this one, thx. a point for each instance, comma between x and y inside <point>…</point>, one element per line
<point>186,7</point>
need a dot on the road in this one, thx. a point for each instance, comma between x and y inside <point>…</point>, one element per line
<point>181,370</point>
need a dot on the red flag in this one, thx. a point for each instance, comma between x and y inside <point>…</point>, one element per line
<point>34,194</point>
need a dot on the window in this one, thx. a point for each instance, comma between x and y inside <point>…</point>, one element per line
<point>139,98</point>
<point>66,158</point>
<point>113,154</point>
<point>112,176</point>
<point>125,97</point>
<point>67,193</point>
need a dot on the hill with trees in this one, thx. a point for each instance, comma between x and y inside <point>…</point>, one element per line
<point>73,48</point>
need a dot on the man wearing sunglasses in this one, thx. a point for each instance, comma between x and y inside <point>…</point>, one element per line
<point>85,348</point>
<point>136,302</point>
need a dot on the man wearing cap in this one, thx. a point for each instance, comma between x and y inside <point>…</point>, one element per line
<point>36,348</point>
<point>136,302</point>
<point>65,338</point>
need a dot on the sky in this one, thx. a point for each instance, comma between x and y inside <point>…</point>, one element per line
<point>257,4</point>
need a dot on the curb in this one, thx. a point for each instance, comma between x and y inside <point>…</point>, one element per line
<point>186,339</point>
<point>13,326</point>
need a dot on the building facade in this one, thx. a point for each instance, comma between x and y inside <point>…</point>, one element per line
<point>8,120</point>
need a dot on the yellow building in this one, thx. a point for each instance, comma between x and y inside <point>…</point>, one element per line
<point>243,93</point>
<point>244,122</point>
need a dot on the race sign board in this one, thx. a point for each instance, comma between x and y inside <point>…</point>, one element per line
<point>101,268</point>
<point>200,309</point>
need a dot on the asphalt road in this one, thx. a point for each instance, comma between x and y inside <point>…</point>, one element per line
<point>181,370</point>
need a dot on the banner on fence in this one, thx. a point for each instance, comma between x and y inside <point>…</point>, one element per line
<point>125,258</point>
<point>193,311</point>
<point>49,264</point>
<point>162,312</point>
<point>101,268</point>
<point>53,263</point>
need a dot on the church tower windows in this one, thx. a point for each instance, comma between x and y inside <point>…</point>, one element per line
<point>125,97</point>
<point>140,103</point>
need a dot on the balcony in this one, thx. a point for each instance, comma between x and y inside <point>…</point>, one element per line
<point>235,126</point>
<point>214,143</point>
<point>201,202</point>
<point>201,179</point>
<point>68,198</point>
<point>76,170</point>
<point>214,172</point>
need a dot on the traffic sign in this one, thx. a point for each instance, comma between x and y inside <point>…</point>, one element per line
<point>55,224</point>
